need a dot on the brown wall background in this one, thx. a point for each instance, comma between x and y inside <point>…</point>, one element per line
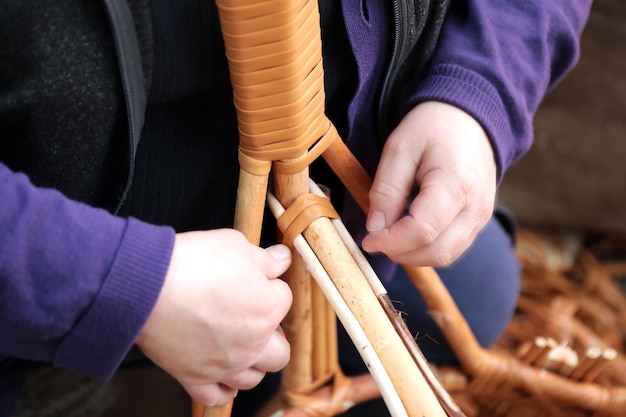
<point>574,177</point>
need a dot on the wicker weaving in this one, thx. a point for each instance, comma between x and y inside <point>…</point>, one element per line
<point>278,92</point>
<point>274,52</point>
<point>569,325</point>
<point>127,230</point>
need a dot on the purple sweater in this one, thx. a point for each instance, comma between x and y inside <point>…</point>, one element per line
<point>77,283</point>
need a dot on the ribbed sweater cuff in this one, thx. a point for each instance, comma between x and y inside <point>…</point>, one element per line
<point>469,91</point>
<point>100,340</point>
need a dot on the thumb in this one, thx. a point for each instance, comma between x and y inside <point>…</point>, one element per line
<point>390,190</point>
<point>210,395</point>
<point>276,260</point>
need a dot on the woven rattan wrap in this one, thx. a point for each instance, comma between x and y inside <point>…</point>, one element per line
<point>563,353</point>
<point>274,53</point>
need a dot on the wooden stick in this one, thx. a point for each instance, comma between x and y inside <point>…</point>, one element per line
<point>591,356</point>
<point>446,314</point>
<point>408,381</point>
<point>414,391</point>
<point>299,373</point>
<point>298,327</point>
<point>599,365</point>
<point>224,410</point>
<point>345,314</point>
<point>250,206</point>
<point>362,388</point>
<point>325,354</point>
<point>381,293</point>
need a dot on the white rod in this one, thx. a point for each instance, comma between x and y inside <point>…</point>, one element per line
<point>353,248</point>
<point>350,323</point>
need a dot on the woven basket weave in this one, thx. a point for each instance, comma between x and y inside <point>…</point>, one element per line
<point>570,321</point>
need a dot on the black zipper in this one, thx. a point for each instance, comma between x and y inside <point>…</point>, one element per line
<point>401,37</point>
<point>132,77</point>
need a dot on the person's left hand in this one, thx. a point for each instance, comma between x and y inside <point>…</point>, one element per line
<point>446,153</point>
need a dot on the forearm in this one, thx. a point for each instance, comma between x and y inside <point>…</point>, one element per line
<point>75,292</point>
<point>497,60</point>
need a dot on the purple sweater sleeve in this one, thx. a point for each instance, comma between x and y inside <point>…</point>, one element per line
<point>497,60</point>
<point>76,283</point>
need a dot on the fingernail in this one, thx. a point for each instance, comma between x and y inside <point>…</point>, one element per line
<point>366,246</point>
<point>375,221</point>
<point>280,252</point>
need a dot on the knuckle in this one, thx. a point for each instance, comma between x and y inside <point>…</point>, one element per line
<point>250,380</point>
<point>480,214</point>
<point>443,258</point>
<point>428,232</point>
<point>283,298</point>
<point>460,190</point>
<point>266,315</point>
<point>232,358</point>
<point>286,357</point>
<point>466,185</point>
<point>486,211</point>
<point>381,191</point>
<point>244,354</point>
<point>269,316</point>
<point>244,358</point>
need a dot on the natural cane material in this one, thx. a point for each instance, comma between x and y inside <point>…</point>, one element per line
<point>274,52</point>
<point>563,352</point>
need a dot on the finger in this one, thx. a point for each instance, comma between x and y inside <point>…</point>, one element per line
<point>274,260</point>
<point>284,298</point>
<point>246,379</point>
<point>276,354</point>
<point>433,210</point>
<point>211,395</point>
<point>392,185</point>
<point>447,248</point>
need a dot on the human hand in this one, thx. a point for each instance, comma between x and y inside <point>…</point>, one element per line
<point>216,324</point>
<point>447,154</point>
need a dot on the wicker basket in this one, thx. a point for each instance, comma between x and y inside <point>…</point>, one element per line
<point>570,324</point>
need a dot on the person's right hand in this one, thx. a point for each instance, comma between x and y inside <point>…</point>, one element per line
<point>216,324</point>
